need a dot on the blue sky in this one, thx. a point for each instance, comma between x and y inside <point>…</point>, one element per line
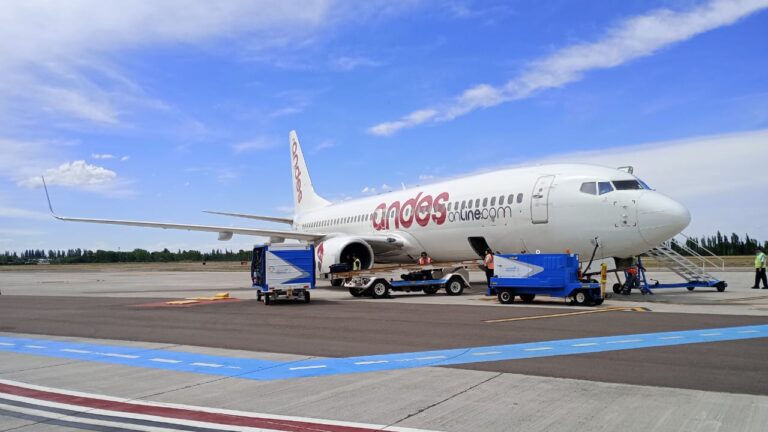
<point>158,110</point>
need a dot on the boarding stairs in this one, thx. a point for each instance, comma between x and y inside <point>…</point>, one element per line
<point>693,266</point>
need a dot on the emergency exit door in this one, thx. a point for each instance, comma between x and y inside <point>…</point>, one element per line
<point>540,200</point>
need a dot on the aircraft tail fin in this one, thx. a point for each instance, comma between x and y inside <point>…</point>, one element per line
<point>304,196</point>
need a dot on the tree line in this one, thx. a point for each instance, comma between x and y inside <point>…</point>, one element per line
<point>79,256</point>
<point>719,244</point>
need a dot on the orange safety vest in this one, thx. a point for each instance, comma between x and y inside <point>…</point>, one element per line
<point>489,261</point>
<point>425,260</point>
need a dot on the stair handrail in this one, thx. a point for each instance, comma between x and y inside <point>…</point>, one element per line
<point>721,264</point>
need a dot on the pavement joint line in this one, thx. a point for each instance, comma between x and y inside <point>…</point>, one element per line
<point>565,314</point>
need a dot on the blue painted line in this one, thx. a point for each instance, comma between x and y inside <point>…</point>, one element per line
<point>265,370</point>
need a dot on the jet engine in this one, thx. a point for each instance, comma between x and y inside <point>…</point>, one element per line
<point>342,250</point>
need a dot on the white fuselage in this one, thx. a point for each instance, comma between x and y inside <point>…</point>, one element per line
<point>542,208</point>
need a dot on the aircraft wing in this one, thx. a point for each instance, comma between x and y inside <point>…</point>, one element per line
<point>288,221</point>
<point>225,233</point>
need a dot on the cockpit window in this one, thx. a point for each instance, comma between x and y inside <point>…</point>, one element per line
<point>645,185</point>
<point>604,187</point>
<point>589,188</point>
<point>627,184</point>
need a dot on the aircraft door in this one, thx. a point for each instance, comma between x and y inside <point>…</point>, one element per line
<point>540,200</point>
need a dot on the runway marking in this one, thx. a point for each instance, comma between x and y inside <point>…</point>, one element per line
<point>127,356</point>
<point>565,314</point>
<point>34,346</point>
<point>213,365</point>
<point>625,341</point>
<point>267,370</point>
<point>78,351</point>
<point>77,410</point>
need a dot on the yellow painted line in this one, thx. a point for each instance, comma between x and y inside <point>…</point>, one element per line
<point>609,309</point>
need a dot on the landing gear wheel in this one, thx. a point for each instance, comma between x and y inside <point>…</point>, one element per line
<point>430,290</point>
<point>527,298</point>
<point>380,289</point>
<point>617,288</point>
<point>582,298</point>
<point>356,292</point>
<point>690,288</point>
<point>454,287</point>
<point>505,297</point>
<point>336,282</point>
<point>306,296</point>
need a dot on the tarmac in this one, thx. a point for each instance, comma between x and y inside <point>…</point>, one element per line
<point>103,351</point>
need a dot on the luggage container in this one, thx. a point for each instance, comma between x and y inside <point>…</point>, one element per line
<point>283,270</point>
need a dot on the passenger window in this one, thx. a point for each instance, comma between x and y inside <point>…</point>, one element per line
<point>604,187</point>
<point>463,205</point>
<point>469,204</point>
<point>485,202</point>
<point>589,188</point>
<point>511,199</point>
<point>519,198</point>
<point>501,200</point>
<point>493,201</point>
<point>477,203</point>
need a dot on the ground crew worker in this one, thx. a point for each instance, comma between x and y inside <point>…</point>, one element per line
<point>425,259</point>
<point>356,265</point>
<point>760,270</point>
<point>488,260</point>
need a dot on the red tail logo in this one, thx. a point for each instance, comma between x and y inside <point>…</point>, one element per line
<point>296,169</point>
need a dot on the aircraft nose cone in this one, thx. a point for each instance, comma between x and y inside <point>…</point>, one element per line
<point>660,218</point>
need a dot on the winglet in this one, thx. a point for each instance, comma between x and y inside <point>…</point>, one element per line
<point>50,206</point>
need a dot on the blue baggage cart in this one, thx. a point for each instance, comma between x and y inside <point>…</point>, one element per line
<point>283,270</point>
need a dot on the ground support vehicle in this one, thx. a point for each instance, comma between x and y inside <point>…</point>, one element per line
<point>379,282</point>
<point>283,270</point>
<point>554,275</point>
<point>641,281</point>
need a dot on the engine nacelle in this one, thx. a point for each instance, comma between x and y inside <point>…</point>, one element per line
<point>341,250</point>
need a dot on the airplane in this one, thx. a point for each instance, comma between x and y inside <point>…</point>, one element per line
<point>586,209</point>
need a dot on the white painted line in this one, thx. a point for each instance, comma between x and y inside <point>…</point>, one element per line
<point>7,344</point>
<point>162,360</point>
<point>670,337</point>
<point>538,349</point>
<point>371,362</point>
<point>749,331</point>
<point>233,367</point>
<point>75,351</point>
<point>624,341</point>
<point>486,353</point>
<point>213,365</point>
<point>307,367</point>
<point>586,344</point>
<point>710,334</point>
<point>404,360</point>
<point>34,346</point>
<point>128,356</point>
<point>431,358</point>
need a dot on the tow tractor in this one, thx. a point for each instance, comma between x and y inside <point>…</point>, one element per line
<point>283,270</point>
<point>554,275</point>
<point>453,277</point>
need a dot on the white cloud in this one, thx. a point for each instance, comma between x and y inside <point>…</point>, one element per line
<point>102,156</point>
<point>74,174</point>
<point>125,158</point>
<point>345,63</point>
<point>629,39</point>
<point>255,144</point>
<point>370,190</point>
<point>18,213</point>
